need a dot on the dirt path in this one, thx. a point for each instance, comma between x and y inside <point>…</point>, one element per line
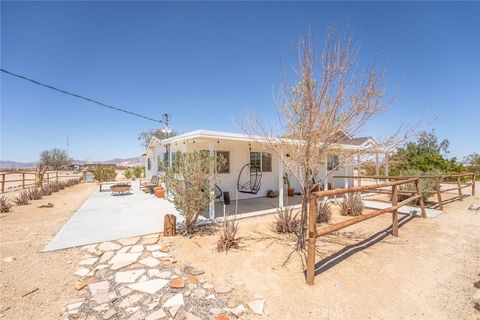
<point>426,273</point>
<point>23,234</point>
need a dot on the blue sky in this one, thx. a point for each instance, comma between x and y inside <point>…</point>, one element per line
<point>206,63</point>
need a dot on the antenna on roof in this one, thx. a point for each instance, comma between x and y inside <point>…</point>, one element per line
<point>165,119</point>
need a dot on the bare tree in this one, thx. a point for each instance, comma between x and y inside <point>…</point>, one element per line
<point>317,108</point>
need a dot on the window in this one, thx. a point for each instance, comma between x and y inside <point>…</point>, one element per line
<point>149,164</point>
<point>261,160</point>
<point>266,162</point>
<point>332,162</point>
<point>225,167</point>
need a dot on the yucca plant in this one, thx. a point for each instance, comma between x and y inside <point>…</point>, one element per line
<point>351,205</point>
<point>324,212</point>
<point>61,185</point>
<point>34,194</point>
<point>21,199</point>
<point>228,237</point>
<point>5,205</point>
<point>47,190</point>
<point>53,187</point>
<point>286,221</point>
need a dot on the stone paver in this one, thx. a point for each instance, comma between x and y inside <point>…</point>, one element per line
<point>150,286</point>
<point>156,315</point>
<point>128,276</point>
<point>108,246</point>
<point>150,262</point>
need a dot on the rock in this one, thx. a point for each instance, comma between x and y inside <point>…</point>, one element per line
<point>120,265</point>
<point>164,249</point>
<point>150,240</point>
<point>152,305</point>
<point>159,314</point>
<point>132,309</point>
<point>144,255</point>
<point>150,262</point>
<point>90,280</point>
<point>139,315</point>
<point>211,296</point>
<point>107,255</point>
<point>150,286</point>
<point>128,276</point>
<point>109,314</point>
<point>191,316</point>
<point>131,300</point>
<point>158,254</point>
<point>174,301</point>
<point>80,285</point>
<point>124,291</point>
<point>105,297</point>
<point>102,266</point>
<point>153,247</point>
<point>476,297</point>
<point>137,248</point>
<point>74,306</point>
<point>196,272</point>
<point>102,307</point>
<point>222,317</point>
<point>153,272</point>
<point>109,246</point>
<point>136,265</point>
<point>143,278</point>
<point>88,262</point>
<point>192,279</point>
<point>99,287</point>
<point>98,253</point>
<point>82,272</point>
<point>121,257</point>
<point>173,310</point>
<point>129,241</point>
<point>477,284</point>
<point>90,248</point>
<point>223,288</point>
<point>165,274</point>
<point>257,306</point>
<point>474,206</point>
<point>208,286</point>
<point>238,311</point>
<point>177,283</point>
<point>124,249</point>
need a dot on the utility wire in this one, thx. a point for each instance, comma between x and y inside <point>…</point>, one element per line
<point>82,97</point>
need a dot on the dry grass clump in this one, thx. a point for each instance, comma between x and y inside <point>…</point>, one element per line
<point>324,212</point>
<point>21,199</point>
<point>228,237</point>
<point>34,193</point>
<point>5,205</point>
<point>351,205</point>
<point>285,221</point>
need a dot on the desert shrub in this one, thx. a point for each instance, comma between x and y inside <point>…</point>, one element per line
<point>351,205</point>
<point>138,172</point>
<point>61,185</point>
<point>286,221</point>
<point>47,190</point>
<point>128,173</point>
<point>425,184</point>
<point>34,193</point>
<point>324,212</point>
<point>102,174</point>
<point>21,199</point>
<point>228,236</point>
<point>5,205</point>
<point>189,180</point>
<point>53,187</point>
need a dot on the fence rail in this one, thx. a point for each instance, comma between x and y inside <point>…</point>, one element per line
<point>314,233</point>
<point>28,179</point>
<point>437,180</point>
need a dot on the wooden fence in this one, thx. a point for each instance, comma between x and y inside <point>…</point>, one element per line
<point>314,233</point>
<point>23,180</point>
<point>457,177</point>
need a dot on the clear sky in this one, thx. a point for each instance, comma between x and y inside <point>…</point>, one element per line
<point>206,63</point>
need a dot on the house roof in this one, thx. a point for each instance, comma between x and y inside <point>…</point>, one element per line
<point>346,140</point>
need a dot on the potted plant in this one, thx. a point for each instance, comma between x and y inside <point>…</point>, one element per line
<point>286,180</point>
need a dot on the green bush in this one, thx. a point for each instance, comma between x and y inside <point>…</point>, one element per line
<point>102,174</point>
<point>426,184</point>
<point>138,172</point>
<point>128,173</point>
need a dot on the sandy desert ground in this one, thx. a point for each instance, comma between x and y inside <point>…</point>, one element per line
<point>364,273</point>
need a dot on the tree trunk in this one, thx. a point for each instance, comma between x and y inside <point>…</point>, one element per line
<point>40,172</point>
<point>302,233</point>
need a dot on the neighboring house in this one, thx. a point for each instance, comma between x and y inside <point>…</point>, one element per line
<point>240,151</point>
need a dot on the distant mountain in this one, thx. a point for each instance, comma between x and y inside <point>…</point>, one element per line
<point>127,162</point>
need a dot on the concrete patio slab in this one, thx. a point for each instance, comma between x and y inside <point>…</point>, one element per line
<point>105,217</point>
<point>431,213</point>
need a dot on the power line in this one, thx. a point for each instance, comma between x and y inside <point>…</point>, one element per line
<point>84,98</point>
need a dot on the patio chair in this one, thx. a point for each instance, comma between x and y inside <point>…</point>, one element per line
<point>145,186</point>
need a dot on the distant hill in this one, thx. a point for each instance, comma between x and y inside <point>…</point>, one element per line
<point>127,162</point>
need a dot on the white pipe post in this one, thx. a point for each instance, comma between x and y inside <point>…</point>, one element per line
<point>281,172</point>
<point>377,167</point>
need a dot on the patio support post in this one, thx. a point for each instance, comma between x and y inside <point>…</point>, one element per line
<point>281,172</point>
<point>386,165</point>
<point>377,167</point>
<point>325,174</point>
<point>359,170</point>
<point>211,207</point>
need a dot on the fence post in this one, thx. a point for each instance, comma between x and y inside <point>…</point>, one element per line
<point>459,184</point>
<point>422,203</point>
<point>473,184</point>
<point>395,212</point>
<point>312,235</point>
<point>23,180</point>
<point>439,195</point>
<point>48,177</point>
<point>3,182</point>
<point>56,174</point>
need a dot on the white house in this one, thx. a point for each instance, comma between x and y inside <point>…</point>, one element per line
<point>242,152</point>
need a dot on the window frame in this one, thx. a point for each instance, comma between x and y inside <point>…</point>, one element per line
<point>260,159</point>
<point>333,162</point>
<point>228,161</point>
